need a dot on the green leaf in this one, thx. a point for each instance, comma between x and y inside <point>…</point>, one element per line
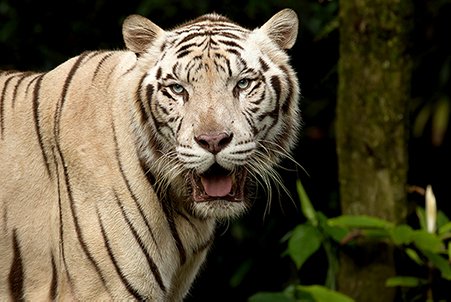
<point>304,242</point>
<point>414,256</point>
<point>427,241</point>
<point>442,219</point>
<point>441,263</point>
<point>334,232</point>
<point>421,120</point>
<point>360,221</point>
<point>378,234</point>
<point>324,294</point>
<point>271,297</point>
<point>402,234</point>
<point>440,120</point>
<point>421,217</point>
<point>446,228</point>
<point>307,209</point>
<point>241,273</point>
<point>404,281</point>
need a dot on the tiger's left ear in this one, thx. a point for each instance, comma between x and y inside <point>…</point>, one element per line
<point>139,33</point>
<point>282,28</point>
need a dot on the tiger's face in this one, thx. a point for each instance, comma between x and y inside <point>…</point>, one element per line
<point>221,106</point>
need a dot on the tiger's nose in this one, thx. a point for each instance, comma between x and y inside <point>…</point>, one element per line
<point>214,143</point>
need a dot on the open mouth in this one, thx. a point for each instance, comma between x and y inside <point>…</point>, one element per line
<point>218,183</point>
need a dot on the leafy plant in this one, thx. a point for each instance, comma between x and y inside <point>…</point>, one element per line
<point>304,241</point>
<point>428,247</point>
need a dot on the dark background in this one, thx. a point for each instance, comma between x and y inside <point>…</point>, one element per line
<point>248,255</point>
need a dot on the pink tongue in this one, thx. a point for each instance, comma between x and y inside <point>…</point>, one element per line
<point>217,186</point>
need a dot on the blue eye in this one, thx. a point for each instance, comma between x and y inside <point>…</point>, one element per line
<point>177,88</point>
<point>243,83</point>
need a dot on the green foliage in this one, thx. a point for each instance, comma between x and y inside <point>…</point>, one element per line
<point>302,293</point>
<point>404,281</point>
<point>429,245</point>
<point>323,294</point>
<point>304,242</point>
<point>360,221</point>
<point>430,250</point>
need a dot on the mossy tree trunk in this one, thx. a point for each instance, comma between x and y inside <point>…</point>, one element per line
<point>374,88</point>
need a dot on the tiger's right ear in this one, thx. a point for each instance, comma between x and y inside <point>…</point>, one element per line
<point>139,33</point>
<point>282,28</point>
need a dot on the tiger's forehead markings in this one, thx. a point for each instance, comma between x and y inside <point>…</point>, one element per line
<point>209,25</point>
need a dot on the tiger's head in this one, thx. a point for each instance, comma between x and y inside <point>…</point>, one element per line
<point>218,107</point>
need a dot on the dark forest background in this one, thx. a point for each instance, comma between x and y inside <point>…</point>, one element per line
<point>249,254</point>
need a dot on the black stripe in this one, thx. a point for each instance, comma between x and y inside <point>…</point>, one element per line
<point>251,124</point>
<point>147,173</point>
<point>23,77</point>
<point>186,218</point>
<point>158,74</point>
<point>150,261</point>
<point>169,213</point>
<point>256,86</point>
<point>203,246</point>
<point>56,129</point>
<point>101,62</point>
<point>229,35</point>
<point>54,282</point>
<point>183,54</point>
<point>124,280</point>
<point>75,219</point>
<point>37,125</point>
<point>142,108</point>
<point>179,125</point>
<point>127,184</point>
<point>149,93</point>
<point>31,82</point>
<point>185,47</point>
<point>129,70</point>
<point>190,66</point>
<point>290,97</point>
<point>60,104</point>
<point>243,63</point>
<point>231,44</point>
<point>189,37</point>
<point>170,76</point>
<point>169,96</point>
<point>264,66</point>
<point>229,69</point>
<point>275,83</point>
<point>16,273</point>
<point>2,105</point>
<point>60,217</point>
<point>253,110</point>
<point>234,51</point>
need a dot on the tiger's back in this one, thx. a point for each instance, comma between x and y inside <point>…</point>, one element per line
<point>93,172</point>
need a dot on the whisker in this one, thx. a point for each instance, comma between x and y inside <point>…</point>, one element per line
<point>272,147</point>
<point>262,167</point>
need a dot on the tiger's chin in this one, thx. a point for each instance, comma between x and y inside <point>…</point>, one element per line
<point>219,193</point>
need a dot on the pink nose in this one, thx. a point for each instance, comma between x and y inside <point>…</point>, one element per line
<point>214,142</point>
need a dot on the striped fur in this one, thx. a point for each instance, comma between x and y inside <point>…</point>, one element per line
<point>115,165</point>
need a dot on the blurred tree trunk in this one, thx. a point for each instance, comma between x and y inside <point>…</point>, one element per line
<point>373,91</point>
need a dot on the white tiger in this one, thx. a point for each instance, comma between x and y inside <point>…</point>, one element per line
<point>115,165</point>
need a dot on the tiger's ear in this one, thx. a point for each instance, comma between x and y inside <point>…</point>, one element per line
<point>282,28</point>
<point>139,33</point>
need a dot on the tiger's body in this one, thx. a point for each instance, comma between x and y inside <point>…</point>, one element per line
<point>116,165</point>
